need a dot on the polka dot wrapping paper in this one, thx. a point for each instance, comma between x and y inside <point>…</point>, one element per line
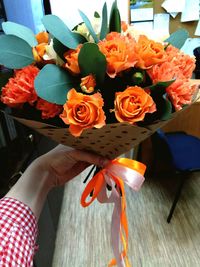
<point>111,140</point>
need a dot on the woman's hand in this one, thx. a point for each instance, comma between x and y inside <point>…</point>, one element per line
<point>64,163</point>
<point>52,169</point>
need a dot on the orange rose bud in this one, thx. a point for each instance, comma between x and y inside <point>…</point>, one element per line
<point>83,112</point>
<point>35,55</point>
<point>88,84</point>
<point>71,57</point>
<point>124,26</point>
<point>42,37</point>
<point>40,49</point>
<point>132,105</point>
<point>149,53</point>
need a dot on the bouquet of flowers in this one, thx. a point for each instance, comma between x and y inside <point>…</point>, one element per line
<point>100,86</point>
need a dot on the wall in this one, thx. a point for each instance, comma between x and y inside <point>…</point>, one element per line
<point>175,24</point>
<point>69,12</point>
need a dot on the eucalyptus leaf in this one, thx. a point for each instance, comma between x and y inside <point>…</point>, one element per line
<point>60,48</point>
<point>20,31</point>
<point>61,32</point>
<point>15,53</point>
<point>53,83</point>
<point>89,26</point>
<point>92,61</point>
<point>115,20</point>
<point>104,23</point>
<point>79,37</point>
<point>178,38</point>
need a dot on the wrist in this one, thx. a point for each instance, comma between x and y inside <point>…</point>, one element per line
<point>40,174</point>
<point>32,188</point>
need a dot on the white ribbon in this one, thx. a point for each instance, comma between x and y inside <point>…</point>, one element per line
<point>134,180</point>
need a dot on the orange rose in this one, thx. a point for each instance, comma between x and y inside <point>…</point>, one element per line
<point>149,52</point>
<point>88,84</point>
<point>119,53</point>
<point>20,88</point>
<point>132,105</point>
<point>49,110</point>
<point>71,57</point>
<point>40,49</point>
<point>83,112</point>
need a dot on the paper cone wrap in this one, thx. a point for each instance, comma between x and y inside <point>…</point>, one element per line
<point>111,140</point>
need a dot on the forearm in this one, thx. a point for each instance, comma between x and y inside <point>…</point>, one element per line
<point>32,188</point>
<point>18,233</point>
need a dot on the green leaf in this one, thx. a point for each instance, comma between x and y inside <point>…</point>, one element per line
<point>92,61</point>
<point>4,77</point>
<point>166,108</point>
<point>20,31</point>
<point>61,32</point>
<point>163,104</point>
<point>96,15</point>
<point>115,20</point>
<point>81,39</point>
<point>15,53</point>
<point>161,86</point>
<point>52,84</point>
<point>59,48</point>
<point>104,23</point>
<point>89,26</point>
<point>178,38</point>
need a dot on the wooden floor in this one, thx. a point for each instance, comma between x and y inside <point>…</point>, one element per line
<point>83,238</point>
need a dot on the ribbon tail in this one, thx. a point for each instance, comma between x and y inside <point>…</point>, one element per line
<point>115,233</point>
<point>116,220</point>
<point>116,173</point>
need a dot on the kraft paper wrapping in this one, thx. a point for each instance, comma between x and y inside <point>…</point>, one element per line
<point>111,140</point>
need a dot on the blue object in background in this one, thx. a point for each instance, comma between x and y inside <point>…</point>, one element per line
<point>183,150</point>
<point>26,12</point>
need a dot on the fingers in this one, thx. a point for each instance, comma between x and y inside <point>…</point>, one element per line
<point>61,148</point>
<point>89,157</point>
<point>79,155</point>
<point>73,172</point>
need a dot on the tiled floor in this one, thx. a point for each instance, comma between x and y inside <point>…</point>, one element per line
<point>83,238</point>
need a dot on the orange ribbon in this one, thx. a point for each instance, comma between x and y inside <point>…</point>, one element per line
<point>116,173</point>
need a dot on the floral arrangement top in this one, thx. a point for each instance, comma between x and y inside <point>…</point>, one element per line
<point>100,72</point>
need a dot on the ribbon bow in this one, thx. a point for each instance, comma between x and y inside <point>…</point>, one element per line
<point>115,174</point>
